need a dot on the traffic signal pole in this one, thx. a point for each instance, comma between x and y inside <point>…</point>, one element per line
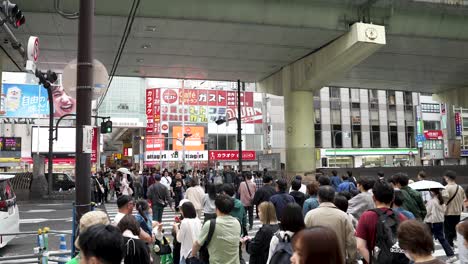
<point>83,106</point>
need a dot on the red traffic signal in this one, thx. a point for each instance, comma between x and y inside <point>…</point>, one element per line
<point>13,14</point>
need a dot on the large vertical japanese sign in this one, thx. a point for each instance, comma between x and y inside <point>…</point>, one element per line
<point>458,125</point>
<point>94,145</point>
<point>150,110</point>
<point>419,128</point>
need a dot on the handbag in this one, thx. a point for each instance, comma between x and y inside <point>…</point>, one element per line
<point>164,247</point>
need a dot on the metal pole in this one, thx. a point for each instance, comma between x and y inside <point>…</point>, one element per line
<point>50,167</point>
<point>239,124</point>
<point>84,98</point>
<point>183,123</point>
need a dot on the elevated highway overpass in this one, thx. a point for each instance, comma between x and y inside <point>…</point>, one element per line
<point>289,48</point>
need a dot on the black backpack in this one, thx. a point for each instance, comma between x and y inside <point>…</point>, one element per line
<point>283,250</point>
<point>387,250</point>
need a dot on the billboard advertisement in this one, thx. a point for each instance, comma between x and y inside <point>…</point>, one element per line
<point>458,125</point>
<point>10,147</point>
<point>174,155</point>
<point>194,142</point>
<point>232,155</point>
<point>65,144</point>
<point>31,101</point>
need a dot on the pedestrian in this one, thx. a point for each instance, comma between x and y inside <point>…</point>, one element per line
<point>166,180</point>
<point>136,251</point>
<point>125,185</point>
<point>159,196</point>
<point>412,199</point>
<point>101,244</point>
<point>454,196</point>
<point>426,195</point>
<point>145,183</point>
<point>137,184</point>
<point>435,220</point>
<point>398,203</point>
<point>217,179</point>
<point>363,201</point>
<point>238,211</point>
<point>372,223</point>
<point>351,177</point>
<point>256,246</point>
<point>298,196</point>
<point>224,243</point>
<point>311,202</point>
<point>462,228</point>
<point>87,220</point>
<point>228,175</point>
<point>143,216</point>
<point>112,195</point>
<point>335,179</point>
<point>264,193</point>
<point>247,191</point>
<point>177,192</point>
<point>281,198</point>
<point>125,206</point>
<point>341,202</point>
<point>303,188</point>
<point>291,223</point>
<point>106,187</point>
<point>323,180</point>
<point>258,180</point>
<point>416,240</point>
<point>346,185</point>
<point>188,231</point>
<point>328,215</point>
<point>209,208</point>
<point>195,194</point>
<point>307,250</point>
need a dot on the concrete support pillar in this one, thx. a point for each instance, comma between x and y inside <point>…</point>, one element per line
<point>300,141</point>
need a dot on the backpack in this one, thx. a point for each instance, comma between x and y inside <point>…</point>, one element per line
<point>203,253</point>
<point>387,250</point>
<point>283,250</point>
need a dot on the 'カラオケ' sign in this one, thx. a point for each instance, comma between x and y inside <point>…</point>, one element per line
<point>231,155</point>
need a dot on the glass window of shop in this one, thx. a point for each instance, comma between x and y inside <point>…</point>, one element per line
<point>373,161</point>
<point>431,125</point>
<point>433,145</point>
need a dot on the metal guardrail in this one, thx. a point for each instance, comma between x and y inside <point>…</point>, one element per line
<point>41,253</point>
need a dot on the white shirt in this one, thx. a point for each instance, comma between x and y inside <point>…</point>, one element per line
<point>195,195</point>
<point>117,218</point>
<point>166,181</point>
<point>189,231</point>
<point>303,189</point>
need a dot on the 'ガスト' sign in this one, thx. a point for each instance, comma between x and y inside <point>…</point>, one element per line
<point>231,155</point>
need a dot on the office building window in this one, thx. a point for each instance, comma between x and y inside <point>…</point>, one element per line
<point>410,140</point>
<point>373,99</point>
<point>431,125</point>
<point>408,100</point>
<point>356,136</point>
<point>318,135</point>
<point>355,105</point>
<point>393,136</point>
<point>337,136</point>
<point>465,122</point>
<point>334,92</point>
<point>391,101</point>
<point>375,136</point>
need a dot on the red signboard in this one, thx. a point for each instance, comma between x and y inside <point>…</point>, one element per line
<point>154,142</point>
<point>94,145</point>
<point>231,155</point>
<point>249,115</point>
<point>150,96</point>
<point>433,134</point>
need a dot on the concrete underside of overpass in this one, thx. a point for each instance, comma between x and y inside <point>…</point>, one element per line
<point>426,47</point>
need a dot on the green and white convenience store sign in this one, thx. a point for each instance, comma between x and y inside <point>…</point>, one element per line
<point>370,152</point>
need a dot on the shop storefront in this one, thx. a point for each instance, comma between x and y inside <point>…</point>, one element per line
<point>354,158</point>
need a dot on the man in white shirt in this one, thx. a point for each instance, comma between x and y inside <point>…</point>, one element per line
<point>303,188</point>
<point>166,180</point>
<point>125,205</point>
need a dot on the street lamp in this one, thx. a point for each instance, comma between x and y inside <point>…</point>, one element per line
<point>345,135</point>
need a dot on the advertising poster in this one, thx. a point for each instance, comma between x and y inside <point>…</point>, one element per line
<point>458,126</point>
<point>24,100</point>
<point>194,142</point>
<point>10,147</point>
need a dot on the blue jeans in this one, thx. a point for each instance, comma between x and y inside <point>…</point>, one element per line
<point>438,232</point>
<point>157,212</point>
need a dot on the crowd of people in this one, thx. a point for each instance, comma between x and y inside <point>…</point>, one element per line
<point>332,219</point>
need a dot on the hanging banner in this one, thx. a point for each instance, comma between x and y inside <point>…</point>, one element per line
<point>94,145</point>
<point>150,95</point>
<point>458,126</point>
<point>155,142</point>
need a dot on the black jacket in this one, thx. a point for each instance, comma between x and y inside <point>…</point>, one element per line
<point>259,246</point>
<point>136,251</point>
<point>263,194</point>
<point>298,197</point>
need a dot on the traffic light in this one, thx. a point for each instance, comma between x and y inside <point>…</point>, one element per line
<point>106,127</point>
<point>13,14</point>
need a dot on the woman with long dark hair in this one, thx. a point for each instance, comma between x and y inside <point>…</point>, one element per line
<point>318,244</point>
<point>144,216</point>
<point>435,208</point>
<point>209,208</point>
<point>136,251</point>
<point>188,231</point>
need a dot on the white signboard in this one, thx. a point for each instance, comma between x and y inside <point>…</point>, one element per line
<point>87,139</point>
<point>65,143</point>
<point>172,155</point>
